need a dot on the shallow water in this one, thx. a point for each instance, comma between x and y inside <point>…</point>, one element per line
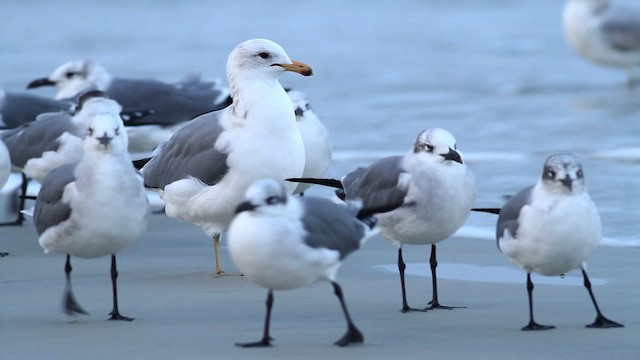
<point>496,73</point>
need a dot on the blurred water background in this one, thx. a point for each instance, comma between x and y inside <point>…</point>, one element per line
<point>496,73</point>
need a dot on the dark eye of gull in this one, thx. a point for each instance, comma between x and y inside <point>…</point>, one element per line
<point>429,147</point>
<point>580,174</point>
<point>308,107</point>
<point>273,200</point>
<point>264,55</point>
<point>550,174</point>
<point>90,131</point>
<point>117,131</point>
<point>71,74</point>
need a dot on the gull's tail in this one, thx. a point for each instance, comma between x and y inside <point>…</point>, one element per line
<point>140,163</point>
<point>325,182</point>
<point>488,210</point>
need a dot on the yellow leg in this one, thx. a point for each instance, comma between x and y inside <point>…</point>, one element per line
<point>216,247</point>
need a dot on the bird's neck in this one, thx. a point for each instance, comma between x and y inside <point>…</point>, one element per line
<point>249,100</point>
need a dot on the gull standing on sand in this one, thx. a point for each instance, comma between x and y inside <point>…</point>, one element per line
<point>205,168</point>
<point>93,208</point>
<point>315,136</point>
<point>173,104</point>
<point>282,242</point>
<point>551,228</point>
<point>604,33</point>
<point>436,186</point>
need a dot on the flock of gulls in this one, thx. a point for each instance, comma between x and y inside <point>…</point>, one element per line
<point>238,160</point>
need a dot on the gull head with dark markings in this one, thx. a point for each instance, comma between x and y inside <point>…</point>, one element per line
<point>563,173</point>
<point>105,133</point>
<point>437,145</point>
<point>267,197</point>
<point>75,77</point>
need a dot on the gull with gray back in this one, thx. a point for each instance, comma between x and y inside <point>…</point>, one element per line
<point>551,228</point>
<point>203,171</point>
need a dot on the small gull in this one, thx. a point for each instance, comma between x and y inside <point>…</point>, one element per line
<point>282,242</point>
<point>207,165</point>
<point>315,136</point>
<point>604,33</point>
<point>436,186</point>
<point>20,108</point>
<point>551,228</point>
<point>172,103</point>
<point>54,139</point>
<point>95,207</point>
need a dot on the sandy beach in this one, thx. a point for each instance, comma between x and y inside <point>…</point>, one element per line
<point>183,313</point>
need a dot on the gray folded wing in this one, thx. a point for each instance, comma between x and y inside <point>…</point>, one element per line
<point>49,209</point>
<point>32,139</point>
<point>331,226</point>
<point>171,103</point>
<point>19,108</point>
<point>189,152</point>
<point>376,185</point>
<point>621,28</point>
<point>510,212</point>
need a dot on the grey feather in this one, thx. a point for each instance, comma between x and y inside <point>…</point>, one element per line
<point>331,226</point>
<point>171,103</point>
<point>621,29</point>
<point>31,140</point>
<point>189,152</point>
<point>49,209</point>
<point>376,185</point>
<point>18,108</point>
<point>510,212</point>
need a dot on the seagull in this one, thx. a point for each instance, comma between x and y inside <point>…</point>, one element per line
<point>173,104</point>
<point>315,136</point>
<point>205,168</point>
<point>437,190</point>
<point>95,207</point>
<point>551,228</point>
<point>604,33</point>
<point>19,108</point>
<point>54,139</point>
<point>282,242</point>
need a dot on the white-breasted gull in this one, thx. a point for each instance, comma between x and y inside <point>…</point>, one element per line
<point>172,104</point>
<point>436,186</point>
<point>315,136</point>
<point>206,166</point>
<point>551,228</point>
<point>283,242</point>
<point>604,32</point>
<point>93,208</point>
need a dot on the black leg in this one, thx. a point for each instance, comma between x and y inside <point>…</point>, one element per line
<point>266,338</point>
<point>532,324</point>
<point>353,335</point>
<point>401,267</point>
<point>601,322</point>
<point>69,303</point>
<point>115,314</point>
<point>434,303</point>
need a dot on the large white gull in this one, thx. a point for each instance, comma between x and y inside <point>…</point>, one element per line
<point>207,165</point>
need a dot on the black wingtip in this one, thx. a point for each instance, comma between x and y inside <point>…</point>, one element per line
<point>130,118</point>
<point>488,210</point>
<point>140,163</point>
<point>334,183</point>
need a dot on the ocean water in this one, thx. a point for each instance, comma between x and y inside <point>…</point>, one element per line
<point>496,73</point>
